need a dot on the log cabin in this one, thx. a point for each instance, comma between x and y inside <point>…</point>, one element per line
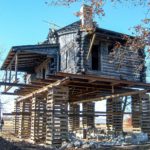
<point>72,66</point>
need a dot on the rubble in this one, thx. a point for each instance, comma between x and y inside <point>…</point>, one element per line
<point>104,140</point>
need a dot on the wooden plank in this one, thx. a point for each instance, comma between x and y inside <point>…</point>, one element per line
<point>104,78</point>
<point>111,96</point>
<point>16,66</point>
<point>41,90</point>
<point>19,84</point>
<point>91,45</point>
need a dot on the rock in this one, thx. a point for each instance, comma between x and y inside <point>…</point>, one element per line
<point>86,145</point>
<point>70,145</point>
<point>78,143</point>
<point>93,145</point>
<point>71,137</point>
<point>64,146</point>
<point>138,138</point>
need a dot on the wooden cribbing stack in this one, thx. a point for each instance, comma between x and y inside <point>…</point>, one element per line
<point>114,115</point>
<point>109,110</point>
<point>24,119</point>
<point>88,114</point>
<point>38,119</point>
<point>16,118</point>
<point>57,116</point>
<point>74,118</point>
<point>117,115</point>
<point>136,107</point>
<point>145,123</point>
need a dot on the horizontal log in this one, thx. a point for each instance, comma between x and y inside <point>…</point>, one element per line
<point>18,84</point>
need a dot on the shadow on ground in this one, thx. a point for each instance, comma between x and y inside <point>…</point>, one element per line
<point>20,145</point>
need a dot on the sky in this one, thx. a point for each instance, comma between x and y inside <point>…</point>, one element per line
<point>26,22</point>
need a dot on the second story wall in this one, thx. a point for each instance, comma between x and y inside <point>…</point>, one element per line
<point>123,67</point>
<point>70,59</point>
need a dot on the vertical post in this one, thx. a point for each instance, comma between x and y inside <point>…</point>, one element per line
<point>5,77</point>
<point>16,66</point>
<point>10,74</point>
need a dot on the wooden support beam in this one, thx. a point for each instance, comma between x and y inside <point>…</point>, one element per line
<point>92,42</point>
<point>16,66</point>
<point>41,90</point>
<point>9,87</point>
<point>5,78</point>
<point>8,93</point>
<point>19,85</point>
<point>112,96</point>
<point>109,79</point>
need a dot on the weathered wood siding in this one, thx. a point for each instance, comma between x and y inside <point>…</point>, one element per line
<point>74,47</point>
<point>127,71</point>
<point>49,65</point>
<point>70,53</point>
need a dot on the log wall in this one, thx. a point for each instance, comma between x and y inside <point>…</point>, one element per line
<point>125,67</point>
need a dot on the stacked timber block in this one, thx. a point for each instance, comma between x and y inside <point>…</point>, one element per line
<point>136,112</point>
<point>117,115</point>
<point>24,119</point>
<point>145,123</point>
<point>38,119</point>
<point>114,115</point>
<point>16,117</point>
<point>109,115</point>
<point>74,118</point>
<point>88,115</point>
<point>57,116</point>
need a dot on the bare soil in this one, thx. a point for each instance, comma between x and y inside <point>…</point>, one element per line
<point>8,141</point>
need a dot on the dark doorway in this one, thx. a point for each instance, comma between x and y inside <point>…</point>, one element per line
<point>95,57</point>
<point>44,73</point>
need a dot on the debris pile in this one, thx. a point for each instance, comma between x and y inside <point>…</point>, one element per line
<point>104,140</point>
<point>6,145</point>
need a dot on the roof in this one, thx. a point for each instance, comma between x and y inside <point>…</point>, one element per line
<point>29,55</point>
<point>76,26</point>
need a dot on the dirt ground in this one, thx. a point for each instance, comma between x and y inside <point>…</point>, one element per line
<point>8,141</point>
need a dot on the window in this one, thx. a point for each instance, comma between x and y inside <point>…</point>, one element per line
<point>95,57</point>
<point>51,66</point>
<point>44,71</point>
<point>110,48</point>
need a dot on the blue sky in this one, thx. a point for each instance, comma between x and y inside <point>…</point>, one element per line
<point>22,21</point>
